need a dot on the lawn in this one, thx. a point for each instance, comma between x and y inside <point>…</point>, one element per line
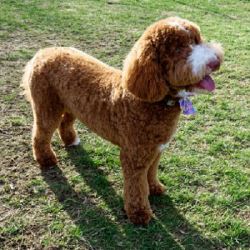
<point>78,204</point>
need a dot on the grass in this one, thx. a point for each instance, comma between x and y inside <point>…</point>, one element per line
<point>77,205</point>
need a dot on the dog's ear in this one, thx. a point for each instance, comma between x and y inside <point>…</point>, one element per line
<point>142,74</point>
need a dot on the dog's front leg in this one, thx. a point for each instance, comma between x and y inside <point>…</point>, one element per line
<point>155,186</point>
<point>135,167</point>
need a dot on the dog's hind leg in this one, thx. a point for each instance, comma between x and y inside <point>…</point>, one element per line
<point>47,117</point>
<point>66,130</point>
<point>155,187</point>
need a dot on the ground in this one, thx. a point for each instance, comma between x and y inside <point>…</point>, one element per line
<point>78,204</point>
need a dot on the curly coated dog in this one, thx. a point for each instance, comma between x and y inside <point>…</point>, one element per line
<point>136,108</point>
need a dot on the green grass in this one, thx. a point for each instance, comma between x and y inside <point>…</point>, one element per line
<point>78,205</point>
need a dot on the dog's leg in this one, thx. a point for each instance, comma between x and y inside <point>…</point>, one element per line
<point>67,131</point>
<point>155,187</point>
<point>136,188</point>
<point>47,118</point>
<point>42,150</point>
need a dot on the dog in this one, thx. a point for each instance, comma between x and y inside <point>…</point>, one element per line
<point>136,108</point>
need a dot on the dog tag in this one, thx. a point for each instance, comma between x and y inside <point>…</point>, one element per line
<point>187,106</point>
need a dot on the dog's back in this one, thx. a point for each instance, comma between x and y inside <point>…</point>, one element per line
<point>70,63</point>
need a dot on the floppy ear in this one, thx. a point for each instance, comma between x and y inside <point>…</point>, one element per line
<point>142,74</point>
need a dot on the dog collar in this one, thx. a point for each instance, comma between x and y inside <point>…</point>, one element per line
<point>185,103</point>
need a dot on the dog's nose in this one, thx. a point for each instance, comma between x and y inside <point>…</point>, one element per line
<point>214,65</point>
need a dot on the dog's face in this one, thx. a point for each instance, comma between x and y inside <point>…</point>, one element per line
<point>171,56</point>
<point>187,60</point>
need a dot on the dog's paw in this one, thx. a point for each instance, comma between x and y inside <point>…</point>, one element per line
<point>156,189</point>
<point>76,142</point>
<point>47,162</point>
<point>140,216</point>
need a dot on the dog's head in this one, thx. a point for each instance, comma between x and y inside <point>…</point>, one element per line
<point>169,57</point>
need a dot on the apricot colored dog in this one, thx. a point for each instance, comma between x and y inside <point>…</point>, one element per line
<point>136,108</point>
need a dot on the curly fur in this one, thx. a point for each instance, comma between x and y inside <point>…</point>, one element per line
<point>126,107</point>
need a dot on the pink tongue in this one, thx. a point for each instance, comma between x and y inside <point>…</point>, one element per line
<point>206,83</point>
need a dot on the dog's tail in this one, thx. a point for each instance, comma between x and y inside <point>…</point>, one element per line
<point>27,77</point>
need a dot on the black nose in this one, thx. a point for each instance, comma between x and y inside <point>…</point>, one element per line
<point>214,65</point>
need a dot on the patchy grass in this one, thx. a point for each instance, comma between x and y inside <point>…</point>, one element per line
<point>77,205</point>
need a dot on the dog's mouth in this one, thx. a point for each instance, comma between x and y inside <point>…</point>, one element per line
<point>207,84</point>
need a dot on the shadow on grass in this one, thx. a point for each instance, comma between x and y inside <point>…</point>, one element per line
<point>102,229</point>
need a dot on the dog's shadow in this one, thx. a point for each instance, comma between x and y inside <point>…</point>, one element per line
<point>99,228</point>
